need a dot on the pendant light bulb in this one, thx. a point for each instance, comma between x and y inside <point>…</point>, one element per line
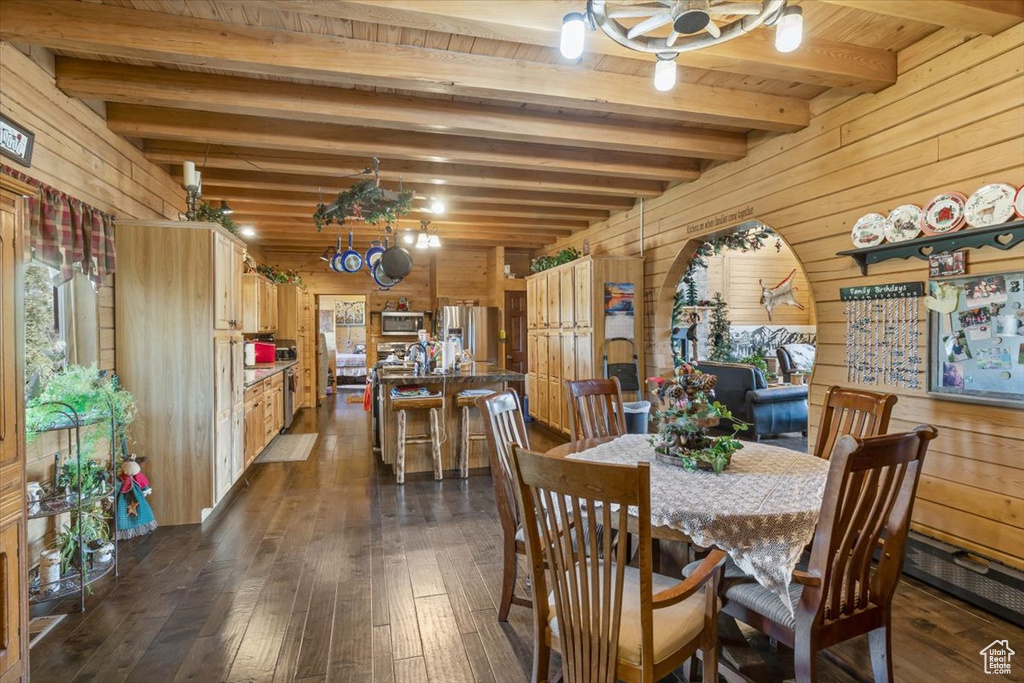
<point>789,29</point>
<point>408,237</point>
<point>434,241</point>
<point>225,209</point>
<point>665,73</point>
<point>422,242</point>
<point>573,33</point>
<point>437,206</point>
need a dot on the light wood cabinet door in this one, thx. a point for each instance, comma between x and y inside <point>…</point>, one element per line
<point>227,283</point>
<point>531,303</point>
<point>542,300</point>
<point>278,408</point>
<point>542,354</point>
<point>237,441</point>
<point>251,303</point>
<point>584,355</point>
<point>554,355</point>
<point>566,297</point>
<point>269,417</point>
<point>568,356</point>
<point>271,307</point>
<point>553,299</point>
<point>541,399</point>
<point>254,429</point>
<point>583,287</point>
<point>531,393</point>
<point>13,666</point>
<point>224,394</point>
<point>555,401</point>
<point>531,352</point>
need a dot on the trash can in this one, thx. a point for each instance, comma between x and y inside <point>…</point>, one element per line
<point>637,413</point>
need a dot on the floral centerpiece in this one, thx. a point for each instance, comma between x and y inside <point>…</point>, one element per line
<point>686,413</point>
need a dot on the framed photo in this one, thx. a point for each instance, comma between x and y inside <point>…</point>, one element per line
<point>947,264</point>
<point>350,313</point>
<point>984,291</point>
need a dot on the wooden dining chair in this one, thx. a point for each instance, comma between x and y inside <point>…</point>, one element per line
<point>608,620</point>
<point>852,411</point>
<point>595,408</point>
<point>503,426</point>
<point>868,499</point>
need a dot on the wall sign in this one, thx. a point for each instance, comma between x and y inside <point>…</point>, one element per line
<point>16,141</point>
<point>899,290</point>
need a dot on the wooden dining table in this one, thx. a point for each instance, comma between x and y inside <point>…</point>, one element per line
<point>762,510</point>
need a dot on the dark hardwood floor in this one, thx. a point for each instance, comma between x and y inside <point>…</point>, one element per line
<point>325,570</point>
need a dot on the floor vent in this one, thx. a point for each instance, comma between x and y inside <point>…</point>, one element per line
<point>984,583</point>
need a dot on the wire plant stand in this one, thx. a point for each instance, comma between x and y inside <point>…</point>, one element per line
<point>68,424</point>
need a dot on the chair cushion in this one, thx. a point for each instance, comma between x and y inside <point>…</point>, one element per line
<point>674,626</point>
<point>745,590</point>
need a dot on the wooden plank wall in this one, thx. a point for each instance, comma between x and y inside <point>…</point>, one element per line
<point>954,120</point>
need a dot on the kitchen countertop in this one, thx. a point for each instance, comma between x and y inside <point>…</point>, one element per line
<point>478,377</point>
<point>261,372</point>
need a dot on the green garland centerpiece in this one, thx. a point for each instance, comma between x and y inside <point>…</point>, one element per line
<point>365,201</point>
<point>542,263</point>
<point>687,413</point>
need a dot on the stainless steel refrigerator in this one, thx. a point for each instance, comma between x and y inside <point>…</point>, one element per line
<point>479,325</point>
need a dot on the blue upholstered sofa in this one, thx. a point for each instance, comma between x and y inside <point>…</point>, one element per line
<point>770,411</point>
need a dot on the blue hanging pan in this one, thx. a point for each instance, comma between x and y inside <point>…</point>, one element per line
<point>373,254</point>
<point>351,260</point>
<point>383,280</point>
<point>335,261</point>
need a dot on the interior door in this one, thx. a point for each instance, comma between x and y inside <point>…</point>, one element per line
<point>516,349</point>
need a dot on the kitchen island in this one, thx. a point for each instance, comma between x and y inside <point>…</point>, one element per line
<point>417,458</point>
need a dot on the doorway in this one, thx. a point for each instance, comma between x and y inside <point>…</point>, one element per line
<point>515,335</point>
<point>343,320</point>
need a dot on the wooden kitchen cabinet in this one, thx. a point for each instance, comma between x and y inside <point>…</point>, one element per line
<point>259,304</point>
<point>289,312</point>
<point>531,304</point>
<point>195,413</point>
<point>566,298</point>
<point>253,426</point>
<point>13,550</point>
<point>228,257</point>
<point>568,340</point>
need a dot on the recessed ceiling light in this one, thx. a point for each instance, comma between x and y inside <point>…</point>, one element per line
<point>248,232</point>
<point>437,206</point>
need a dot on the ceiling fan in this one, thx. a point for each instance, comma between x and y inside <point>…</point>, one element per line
<point>687,17</point>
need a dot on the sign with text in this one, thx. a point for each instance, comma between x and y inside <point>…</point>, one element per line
<point>722,219</point>
<point>16,141</point>
<point>899,290</point>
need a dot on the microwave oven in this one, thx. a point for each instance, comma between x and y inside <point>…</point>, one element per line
<point>402,323</point>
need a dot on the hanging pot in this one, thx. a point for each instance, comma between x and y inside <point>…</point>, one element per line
<point>396,262</point>
<point>335,262</point>
<point>383,280</point>
<point>373,254</point>
<point>351,260</point>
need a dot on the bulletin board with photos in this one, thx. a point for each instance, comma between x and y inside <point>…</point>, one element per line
<point>977,349</point>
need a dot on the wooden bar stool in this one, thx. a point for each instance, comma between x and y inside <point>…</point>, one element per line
<point>466,402</point>
<point>433,436</point>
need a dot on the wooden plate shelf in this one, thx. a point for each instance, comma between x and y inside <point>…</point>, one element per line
<point>1004,236</point>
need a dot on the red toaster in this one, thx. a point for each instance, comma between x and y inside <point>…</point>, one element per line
<point>266,352</point>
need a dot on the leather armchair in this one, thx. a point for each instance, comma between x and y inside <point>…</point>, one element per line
<point>769,410</point>
<point>794,358</point>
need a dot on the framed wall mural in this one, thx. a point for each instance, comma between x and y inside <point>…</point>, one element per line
<point>350,313</point>
<point>618,309</point>
<point>976,343</point>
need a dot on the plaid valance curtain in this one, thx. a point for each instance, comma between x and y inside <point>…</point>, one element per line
<point>67,234</point>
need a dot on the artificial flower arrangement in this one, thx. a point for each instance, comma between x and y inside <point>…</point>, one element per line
<point>686,412</point>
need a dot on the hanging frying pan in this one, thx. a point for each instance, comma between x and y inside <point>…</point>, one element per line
<point>373,254</point>
<point>396,262</point>
<point>335,261</point>
<point>383,280</point>
<point>351,260</point>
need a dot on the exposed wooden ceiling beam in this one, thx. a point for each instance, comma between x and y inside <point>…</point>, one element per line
<point>204,127</point>
<point>974,16</point>
<point>304,238</point>
<point>455,207</point>
<point>818,62</point>
<point>549,226</point>
<point>465,195</point>
<point>89,79</point>
<point>622,187</point>
<point>333,166</point>
<point>102,29</point>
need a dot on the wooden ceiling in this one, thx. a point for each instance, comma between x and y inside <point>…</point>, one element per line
<point>463,100</point>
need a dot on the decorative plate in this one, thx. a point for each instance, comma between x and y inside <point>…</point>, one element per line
<point>904,223</point>
<point>990,205</point>
<point>1018,202</point>
<point>944,214</point>
<point>869,230</point>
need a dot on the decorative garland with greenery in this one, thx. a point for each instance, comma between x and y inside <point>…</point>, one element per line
<point>279,277</point>
<point>214,215</point>
<point>748,240</point>
<point>365,201</point>
<point>542,263</point>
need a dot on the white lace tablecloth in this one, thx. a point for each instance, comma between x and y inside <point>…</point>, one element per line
<point>762,510</point>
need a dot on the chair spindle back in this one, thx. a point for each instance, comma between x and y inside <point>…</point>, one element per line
<point>504,426</point>
<point>595,408</point>
<point>852,412</point>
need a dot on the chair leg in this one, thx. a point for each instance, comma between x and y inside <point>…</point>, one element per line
<point>805,658</point>
<point>435,442</point>
<point>464,444</point>
<point>508,579</point>
<point>400,460</point>
<point>880,642</point>
<point>541,660</point>
<point>689,669</point>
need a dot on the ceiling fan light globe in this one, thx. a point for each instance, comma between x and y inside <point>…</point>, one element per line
<point>789,29</point>
<point>665,73</point>
<point>573,35</point>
